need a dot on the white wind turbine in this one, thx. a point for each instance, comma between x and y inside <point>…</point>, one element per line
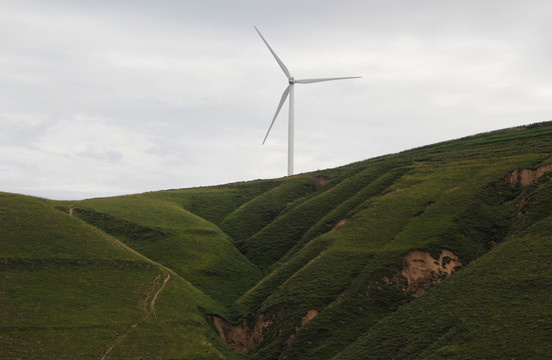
<point>289,91</point>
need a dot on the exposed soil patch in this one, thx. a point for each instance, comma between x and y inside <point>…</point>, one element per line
<point>339,224</point>
<point>423,271</point>
<point>311,314</point>
<point>524,177</point>
<point>245,336</point>
<point>319,181</point>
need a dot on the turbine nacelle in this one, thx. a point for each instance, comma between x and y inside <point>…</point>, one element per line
<point>289,91</point>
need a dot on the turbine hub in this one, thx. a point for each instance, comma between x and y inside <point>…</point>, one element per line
<point>291,80</point>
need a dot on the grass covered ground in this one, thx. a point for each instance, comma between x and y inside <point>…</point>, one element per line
<point>70,291</point>
<point>499,307</point>
<point>318,258</point>
<point>165,232</point>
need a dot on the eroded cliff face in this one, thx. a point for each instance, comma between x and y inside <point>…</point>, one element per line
<point>420,270</point>
<point>245,336</point>
<point>423,271</point>
<point>524,177</point>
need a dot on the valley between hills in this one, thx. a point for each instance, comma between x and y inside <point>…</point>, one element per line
<point>439,252</point>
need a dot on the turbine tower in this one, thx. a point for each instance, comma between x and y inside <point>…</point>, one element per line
<point>289,91</point>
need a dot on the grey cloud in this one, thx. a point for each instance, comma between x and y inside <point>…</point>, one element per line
<point>176,94</point>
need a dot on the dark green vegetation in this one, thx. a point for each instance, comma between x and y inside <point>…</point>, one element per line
<point>346,263</point>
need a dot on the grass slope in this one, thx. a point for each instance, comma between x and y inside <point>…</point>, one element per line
<point>165,232</point>
<point>499,307</point>
<point>316,258</point>
<point>214,203</point>
<point>448,196</point>
<point>70,291</point>
<point>262,210</point>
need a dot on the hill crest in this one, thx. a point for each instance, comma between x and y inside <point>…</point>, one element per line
<point>321,265</point>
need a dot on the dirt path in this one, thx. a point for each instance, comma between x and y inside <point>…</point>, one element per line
<point>149,295</point>
<point>111,240</point>
<point>152,304</point>
<point>148,306</point>
<point>149,301</point>
<point>119,339</point>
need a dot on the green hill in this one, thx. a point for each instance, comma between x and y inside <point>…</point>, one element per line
<point>498,307</point>
<point>440,252</point>
<point>70,291</point>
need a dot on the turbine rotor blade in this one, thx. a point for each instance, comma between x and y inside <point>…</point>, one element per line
<point>284,68</point>
<point>282,100</point>
<point>310,81</point>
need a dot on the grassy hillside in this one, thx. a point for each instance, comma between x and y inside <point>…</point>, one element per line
<point>453,196</point>
<point>214,203</point>
<point>191,246</point>
<point>70,291</point>
<point>437,252</point>
<point>497,308</point>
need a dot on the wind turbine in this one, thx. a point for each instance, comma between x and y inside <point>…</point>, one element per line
<point>289,91</point>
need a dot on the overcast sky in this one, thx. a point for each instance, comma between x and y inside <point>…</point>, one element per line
<point>101,98</point>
